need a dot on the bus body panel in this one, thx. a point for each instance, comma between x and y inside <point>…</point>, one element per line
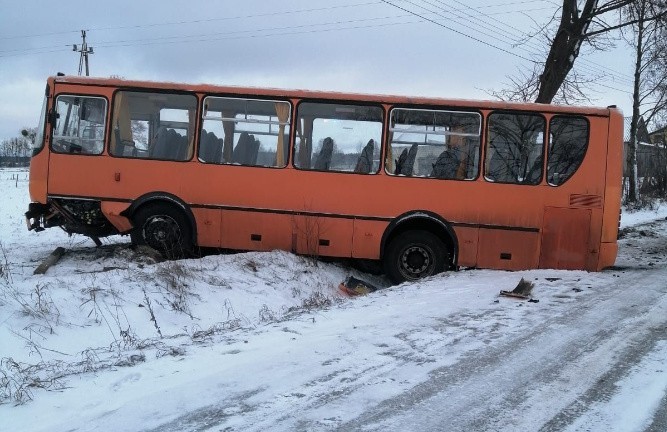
<point>366,237</point>
<point>39,172</point>
<point>208,226</point>
<point>508,250</point>
<point>468,240</point>
<point>613,181</point>
<point>565,238</point>
<point>113,211</point>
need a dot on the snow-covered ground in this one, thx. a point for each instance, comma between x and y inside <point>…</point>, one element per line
<point>110,340</point>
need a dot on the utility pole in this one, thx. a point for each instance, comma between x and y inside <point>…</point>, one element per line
<point>85,50</point>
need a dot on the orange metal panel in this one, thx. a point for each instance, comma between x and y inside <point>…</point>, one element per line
<point>208,226</point>
<point>468,238</point>
<point>508,249</point>
<point>614,178</point>
<point>565,238</point>
<point>367,238</point>
<point>112,211</point>
<point>608,252</point>
<point>39,168</point>
<point>255,231</point>
<point>323,236</point>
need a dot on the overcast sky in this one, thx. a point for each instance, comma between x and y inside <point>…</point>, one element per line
<point>442,48</point>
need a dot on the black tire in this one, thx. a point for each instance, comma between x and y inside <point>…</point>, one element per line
<point>414,255</point>
<point>163,227</point>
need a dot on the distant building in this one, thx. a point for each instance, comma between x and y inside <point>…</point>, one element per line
<point>649,156</point>
<point>14,161</point>
<point>659,136</point>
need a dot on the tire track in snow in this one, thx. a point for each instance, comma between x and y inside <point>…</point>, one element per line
<point>494,389</point>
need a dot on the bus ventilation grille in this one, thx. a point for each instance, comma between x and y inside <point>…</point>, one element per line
<point>585,201</point>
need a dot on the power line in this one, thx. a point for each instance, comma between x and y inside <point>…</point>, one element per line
<point>199,21</point>
<point>595,68</point>
<point>230,37</point>
<point>590,66</point>
<point>500,33</point>
<point>207,36</point>
<point>459,32</point>
<point>331,23</point>
<point>270,14</point>
<point>38,50</point>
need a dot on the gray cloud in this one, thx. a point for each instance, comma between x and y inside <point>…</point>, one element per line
<point>372,48</point>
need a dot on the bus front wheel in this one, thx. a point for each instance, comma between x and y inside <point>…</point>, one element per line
<point>164,228</point>
<point>414,255</point>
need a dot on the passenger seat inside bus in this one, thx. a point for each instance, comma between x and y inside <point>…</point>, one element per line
<point>323,161</point>
<point>406,161</point>
<point>170,145</point>
<point>447,165</point>
<point>210,147</point>
<point>365,161</point>
<point>246,150</point>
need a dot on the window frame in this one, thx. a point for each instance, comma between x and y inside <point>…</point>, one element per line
<point>341,102</point>
<point>156,91</point>
<point>52,127</point>
<point>487,143</point>
<point>445,109</point>
<point>243,97</point>
<point>583,158</point>
<point>42,125</point>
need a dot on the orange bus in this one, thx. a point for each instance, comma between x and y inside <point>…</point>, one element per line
<point>421,185</point>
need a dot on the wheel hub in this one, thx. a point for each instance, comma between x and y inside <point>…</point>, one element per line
<point>162,232</point>
<point>415,260</point>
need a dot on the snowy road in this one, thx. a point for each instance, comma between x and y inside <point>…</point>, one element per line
<point>596,365</point>
<point>556,375</point>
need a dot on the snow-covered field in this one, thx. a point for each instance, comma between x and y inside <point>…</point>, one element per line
<point>108,339</point>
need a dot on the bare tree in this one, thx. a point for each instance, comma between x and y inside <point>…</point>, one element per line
<point>14,148</point>
<point>582,23</point>
<point>647,36</point>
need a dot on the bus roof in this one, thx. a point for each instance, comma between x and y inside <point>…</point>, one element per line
<point>317,94</point>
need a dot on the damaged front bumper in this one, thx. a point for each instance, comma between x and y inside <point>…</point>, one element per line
<point>75,216</point>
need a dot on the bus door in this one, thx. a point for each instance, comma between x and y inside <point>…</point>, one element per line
<point>80,124</point>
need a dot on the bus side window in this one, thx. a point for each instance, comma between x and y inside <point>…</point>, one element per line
<point>434,143</point>
<point>249,132</point>
<point>514,149</point>
<point>567,147</point>
<point>338,137</point>
<point>80,126</point>
<point>153,125</point>
<point>121,129</point>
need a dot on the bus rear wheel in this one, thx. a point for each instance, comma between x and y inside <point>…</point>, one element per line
<point>164,228</point>
<point>414,255</point>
